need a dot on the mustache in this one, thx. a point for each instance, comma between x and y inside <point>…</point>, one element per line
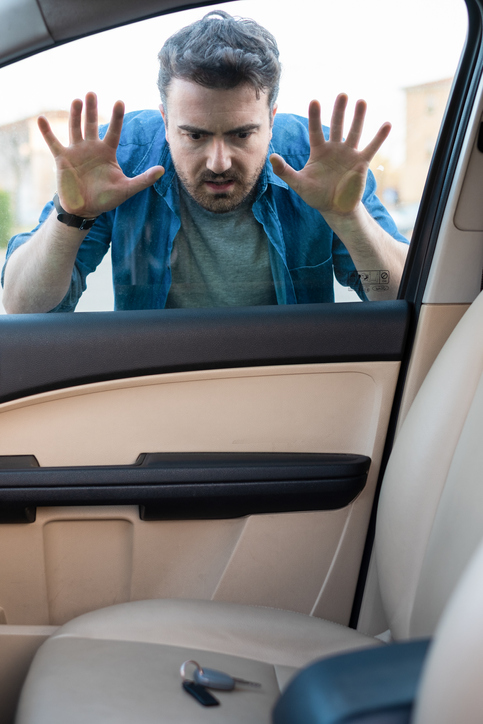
<point>229,175</point>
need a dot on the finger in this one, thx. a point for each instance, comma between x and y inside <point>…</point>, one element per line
<point>75,132</point>
<point>316,134</point>
<point>91,129</point>
<point>355,132</point>
<point>144,180</point>
<point>115,125</point>
<point>50,139</point>
<point>337,120</point>
<point>284,171</point>
<point>373,147</point>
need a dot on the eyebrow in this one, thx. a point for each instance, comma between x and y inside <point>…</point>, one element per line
<point>241,129</point>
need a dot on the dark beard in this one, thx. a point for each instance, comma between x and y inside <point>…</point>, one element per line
<point>220,203</point>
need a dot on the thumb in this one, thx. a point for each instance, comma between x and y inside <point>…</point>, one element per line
<point>283,170</point>
<point>146,179</point>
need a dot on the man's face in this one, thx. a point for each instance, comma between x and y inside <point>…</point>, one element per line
<point>218,140</point>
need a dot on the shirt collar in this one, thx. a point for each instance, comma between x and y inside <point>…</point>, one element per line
<point>272,177</point>
<point>164,183</point>
<point>268,177</point>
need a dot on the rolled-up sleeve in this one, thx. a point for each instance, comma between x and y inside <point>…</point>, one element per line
<point>90,254</point>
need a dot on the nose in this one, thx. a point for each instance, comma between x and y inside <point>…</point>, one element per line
<point>219,159</point>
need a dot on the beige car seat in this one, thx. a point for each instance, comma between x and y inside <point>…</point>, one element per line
<point>121,664</point>
<point>451,690</point>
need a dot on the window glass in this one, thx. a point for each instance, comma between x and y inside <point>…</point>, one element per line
<point>399,56</point>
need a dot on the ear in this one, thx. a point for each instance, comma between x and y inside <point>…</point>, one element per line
<point>165,119</point>
<point>274,112</point>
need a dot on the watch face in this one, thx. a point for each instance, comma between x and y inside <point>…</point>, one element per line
<point>57,205</point>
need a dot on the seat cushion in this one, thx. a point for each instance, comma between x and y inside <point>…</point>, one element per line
<point>121,663</point>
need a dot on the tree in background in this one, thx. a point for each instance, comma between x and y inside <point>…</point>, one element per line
<point>6,218</point>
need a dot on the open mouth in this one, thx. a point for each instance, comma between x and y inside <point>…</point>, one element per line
<point>220,186</point>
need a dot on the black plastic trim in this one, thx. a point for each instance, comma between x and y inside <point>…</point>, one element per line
<point>196,485</point>
<point>479,143</point>
<point>40,352</point>
<point>17,513</point>
<point>18,462</point>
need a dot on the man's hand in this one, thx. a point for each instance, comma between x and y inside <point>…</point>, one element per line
<point>333,182</point>
<point>334,178</point>
<point>89,178</point>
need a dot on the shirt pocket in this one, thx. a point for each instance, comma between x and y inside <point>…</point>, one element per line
<point>315,283</point>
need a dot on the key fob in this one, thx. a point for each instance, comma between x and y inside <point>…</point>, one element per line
<point>201,694</point>
<point>214,679</point>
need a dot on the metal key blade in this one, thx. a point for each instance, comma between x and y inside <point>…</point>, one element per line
<point>244,682</point>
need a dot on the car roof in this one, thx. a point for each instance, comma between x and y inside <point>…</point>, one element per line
<point>33,25</point>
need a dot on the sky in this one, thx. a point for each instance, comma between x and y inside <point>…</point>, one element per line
<point>369,49</point>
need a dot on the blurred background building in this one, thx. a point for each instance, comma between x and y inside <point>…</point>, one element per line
<point>27,169</point>
<point>401,187</point>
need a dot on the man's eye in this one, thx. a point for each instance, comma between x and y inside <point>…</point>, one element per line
<point>243,135</point>
<point>195,136</point>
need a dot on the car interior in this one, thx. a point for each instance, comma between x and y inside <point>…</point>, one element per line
<point>254,489</point>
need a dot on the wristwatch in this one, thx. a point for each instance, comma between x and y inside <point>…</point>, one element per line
<point>71,219</point>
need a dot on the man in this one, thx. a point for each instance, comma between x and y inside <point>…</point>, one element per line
<point>196,213</point>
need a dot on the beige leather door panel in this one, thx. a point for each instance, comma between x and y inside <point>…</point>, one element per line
<point>75,559</point>
<point>299,408</point>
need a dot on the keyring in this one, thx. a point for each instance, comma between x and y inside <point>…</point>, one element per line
<point>182,669</point>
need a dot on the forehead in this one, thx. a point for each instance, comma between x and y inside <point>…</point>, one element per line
<point>213,108</point>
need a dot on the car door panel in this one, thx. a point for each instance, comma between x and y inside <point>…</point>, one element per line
<point>323,384</point>
<point>18,646</point>
<point>332,408</point>
<point>269,547</point>
<point>73,560</point>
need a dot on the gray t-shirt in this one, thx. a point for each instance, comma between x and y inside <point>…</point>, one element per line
<point>219,260</point>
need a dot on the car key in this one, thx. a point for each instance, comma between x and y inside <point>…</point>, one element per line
<point>213,679</point>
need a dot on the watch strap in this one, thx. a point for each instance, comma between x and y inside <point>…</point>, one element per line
<point>71,219</point>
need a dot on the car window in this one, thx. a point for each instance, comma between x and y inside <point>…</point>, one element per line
<point>400,57</point>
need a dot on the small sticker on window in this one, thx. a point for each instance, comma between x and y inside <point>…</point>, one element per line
<point>369,278</point>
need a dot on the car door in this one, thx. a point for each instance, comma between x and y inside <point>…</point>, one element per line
<point>230,454</point>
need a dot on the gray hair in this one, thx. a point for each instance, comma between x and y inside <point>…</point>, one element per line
<point>220,51</point>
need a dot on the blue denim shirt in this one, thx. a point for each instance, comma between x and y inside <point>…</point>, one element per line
<point>304,252</point>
